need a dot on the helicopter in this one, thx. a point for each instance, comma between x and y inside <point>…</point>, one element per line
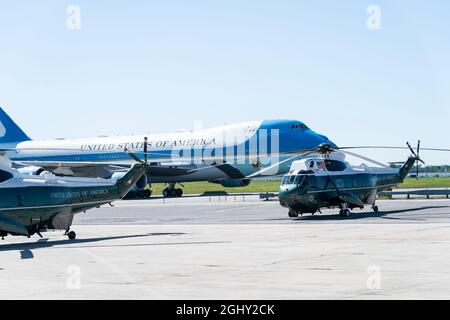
<point>326,180</point>
<point>33,204</point>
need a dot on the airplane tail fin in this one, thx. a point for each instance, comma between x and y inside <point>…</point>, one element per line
<point>9,130</point>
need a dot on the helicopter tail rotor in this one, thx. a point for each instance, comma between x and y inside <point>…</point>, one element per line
<point>416,154</point>
<point>135,157</point>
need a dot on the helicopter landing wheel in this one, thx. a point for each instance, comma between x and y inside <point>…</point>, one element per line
<point>345,213</point>
<point>293,214</point>
<point>375,209</point>
<point>72,235</point>
<point>178,193</point>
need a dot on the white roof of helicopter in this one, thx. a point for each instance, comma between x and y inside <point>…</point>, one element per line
<point>318,166</point>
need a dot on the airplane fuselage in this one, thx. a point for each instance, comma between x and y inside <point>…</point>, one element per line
<point>227,152</point>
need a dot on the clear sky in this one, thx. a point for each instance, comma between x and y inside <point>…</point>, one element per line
<point>158,66</point>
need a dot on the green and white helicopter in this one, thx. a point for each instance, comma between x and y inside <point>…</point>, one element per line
<point>326,180</point>
<point>33,204</point>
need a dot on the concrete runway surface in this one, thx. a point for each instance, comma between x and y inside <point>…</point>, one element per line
<point>200,248</point>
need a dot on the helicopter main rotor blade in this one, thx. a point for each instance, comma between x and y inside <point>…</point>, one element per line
<point>418,158</point>
<point>134,157</point>
<point>363,158</point>
<point>391,147</point>
<point>146,150</point>
<point>278,164</point>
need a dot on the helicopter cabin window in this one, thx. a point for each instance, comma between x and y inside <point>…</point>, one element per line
<point>333,165</point>
<point>300,180</point>
<point>5,176</point>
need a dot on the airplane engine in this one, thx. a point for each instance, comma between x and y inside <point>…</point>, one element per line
<point>233,183</point>
<point>139,190</point>
<point>31,171</point>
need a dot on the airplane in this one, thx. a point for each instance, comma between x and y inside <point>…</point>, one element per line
<point>33,204</point>
<point>230,155</point>
<point>329,181</point>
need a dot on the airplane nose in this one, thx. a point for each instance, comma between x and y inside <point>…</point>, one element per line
<point>324,139</point>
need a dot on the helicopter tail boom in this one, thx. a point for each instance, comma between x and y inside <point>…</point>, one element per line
<point>126,183</point>
<point>407,166</point>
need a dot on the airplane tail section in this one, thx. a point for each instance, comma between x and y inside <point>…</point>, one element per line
<point>9,130</point>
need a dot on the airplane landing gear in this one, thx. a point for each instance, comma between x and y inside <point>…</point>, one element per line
<point>143,194</point>
<point>375,208</point>
<point>172,192</point>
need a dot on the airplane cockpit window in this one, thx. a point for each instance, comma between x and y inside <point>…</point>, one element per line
<point>333,165</point>
<point>299,126</point>
<point>5,176</point>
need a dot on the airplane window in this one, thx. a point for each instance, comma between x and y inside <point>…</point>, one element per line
<point>5,176</point>
<point>333,165</point>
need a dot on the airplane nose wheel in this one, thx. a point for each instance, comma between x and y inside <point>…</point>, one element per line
<point>375,209</point>
<point>72,235</point>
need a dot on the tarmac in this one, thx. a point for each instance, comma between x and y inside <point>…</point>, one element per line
<point>235,248</point>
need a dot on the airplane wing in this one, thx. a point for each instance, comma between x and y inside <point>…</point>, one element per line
<point>78,169</point>
<point>105,170</point>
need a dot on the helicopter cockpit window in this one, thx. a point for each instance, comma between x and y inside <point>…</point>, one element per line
<point>311,164</point>
<point>286,180</point>
<point>5,176</point>
<point>295,179</point>
<point>333,165</point>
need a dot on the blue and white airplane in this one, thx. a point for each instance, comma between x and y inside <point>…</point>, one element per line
<point>230,155</point>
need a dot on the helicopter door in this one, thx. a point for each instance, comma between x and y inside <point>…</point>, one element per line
<point>302,183</point>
